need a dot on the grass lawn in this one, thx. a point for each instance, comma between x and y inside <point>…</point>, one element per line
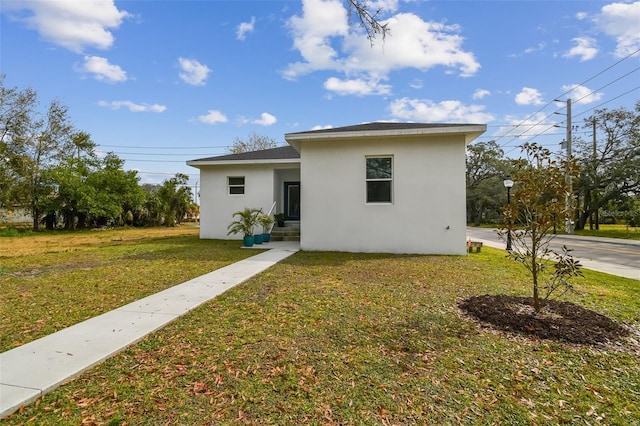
<point>357,339</point>
<point>609,231</point>
<point>612,231</point>
<point>53,280</point>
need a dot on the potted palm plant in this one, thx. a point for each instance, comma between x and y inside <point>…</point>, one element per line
<point>266,221</point>
<point>280,218</point>
<point>245,222</point>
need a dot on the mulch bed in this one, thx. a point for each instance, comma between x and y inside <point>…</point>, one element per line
<point>557,320</point>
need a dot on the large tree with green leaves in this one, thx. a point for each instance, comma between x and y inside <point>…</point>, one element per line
<point>175,197</point>
<point>30,142</point>
<point>67,186</point>
<point>86,190</point>
<point>486,168</point>
<point>17,108</point>
<point>117,192</point>
<point>610,161</point>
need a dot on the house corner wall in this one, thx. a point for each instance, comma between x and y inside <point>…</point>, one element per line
<point>427,215</point>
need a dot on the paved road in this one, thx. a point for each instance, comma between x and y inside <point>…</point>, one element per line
<point>611,255</point>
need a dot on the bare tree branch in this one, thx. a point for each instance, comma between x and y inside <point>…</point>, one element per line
<point>368,19</point>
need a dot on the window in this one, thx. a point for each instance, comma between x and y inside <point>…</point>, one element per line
<point>379,179</point>
<point>236,185</point>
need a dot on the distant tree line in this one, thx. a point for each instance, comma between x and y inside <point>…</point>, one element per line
<point>52,169</point>
<point>608,179</point>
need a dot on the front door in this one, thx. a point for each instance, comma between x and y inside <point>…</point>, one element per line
<point>292,200</point>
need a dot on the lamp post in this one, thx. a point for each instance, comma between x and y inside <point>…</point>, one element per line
<point>553,217</point>
<point>508,183</point>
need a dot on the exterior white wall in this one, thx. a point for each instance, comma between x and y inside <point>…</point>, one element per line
<point>15,215</point>
<point>427,214</point>
<point>217,205</point>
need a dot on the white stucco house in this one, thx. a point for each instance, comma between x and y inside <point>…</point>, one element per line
<point>377,187</point>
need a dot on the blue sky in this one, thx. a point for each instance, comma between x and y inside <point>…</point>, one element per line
<point>163,82</point>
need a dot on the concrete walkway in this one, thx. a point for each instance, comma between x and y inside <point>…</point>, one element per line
<point>31,370</point>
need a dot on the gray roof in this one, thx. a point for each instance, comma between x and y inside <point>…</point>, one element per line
<point>279,153</point>
<point>383,126</point>
<point>290,153</point>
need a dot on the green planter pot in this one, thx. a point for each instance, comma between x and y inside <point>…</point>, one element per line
<point>248,241</point>
<point>266,238</point>
<point>257,238</point>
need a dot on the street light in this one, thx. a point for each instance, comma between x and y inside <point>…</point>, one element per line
<point>508,183</point>
<point>553,217</point>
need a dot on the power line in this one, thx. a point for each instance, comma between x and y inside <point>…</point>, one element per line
<point>610,100</point>
<point>522,122</point>
<point>166,147</point>
<point>165,173</point>
<point>158,153</point>
<point>155,161</point>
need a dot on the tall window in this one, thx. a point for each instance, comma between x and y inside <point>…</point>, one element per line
<point>379,179</point>
<point>236,185</point>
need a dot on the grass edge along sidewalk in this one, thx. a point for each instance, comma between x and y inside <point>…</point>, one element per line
<point>31,370</point>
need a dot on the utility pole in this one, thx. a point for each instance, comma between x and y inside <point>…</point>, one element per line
<point>569,225</point>
<point>595,173</point>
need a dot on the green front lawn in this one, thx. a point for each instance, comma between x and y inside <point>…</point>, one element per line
<point>359,339</point>
<point>53,280</point>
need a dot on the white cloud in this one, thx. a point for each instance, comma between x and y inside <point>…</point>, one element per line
<point>213,117</point>
<point>322,127</point>
<point>520,128</point>
<point>540,46</point>
<point>425,110</point>
<point>414,44</point>
<point>102,70</point>
<point>245,28</point>
<point>584,49</point>
<point>73,25</point>
<point>265,119</point>
<point>581,94</point>
<point>481,93</point>
<point>416,84</point>
<point>358,87</point>
<point>312,32</point>
<point>326,41</point>
<point>133,107</point>
<point>193,72</point>
<point>529,96</point>
<point>386,6</point>
<point>620,21</point>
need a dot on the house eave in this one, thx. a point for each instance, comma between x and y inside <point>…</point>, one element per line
<point>470,133</point>
<point>199,163</point>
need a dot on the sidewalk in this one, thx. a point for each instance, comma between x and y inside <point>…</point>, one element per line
<point>31,370</point>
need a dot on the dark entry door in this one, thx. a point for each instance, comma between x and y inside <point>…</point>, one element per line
<point>292,200</point>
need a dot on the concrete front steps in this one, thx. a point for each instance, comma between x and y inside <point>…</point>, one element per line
<point>290,232</point>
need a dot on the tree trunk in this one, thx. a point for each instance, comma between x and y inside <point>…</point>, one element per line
<point>534,275</point>
<point>478,217</point>
<point>35,213</point>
